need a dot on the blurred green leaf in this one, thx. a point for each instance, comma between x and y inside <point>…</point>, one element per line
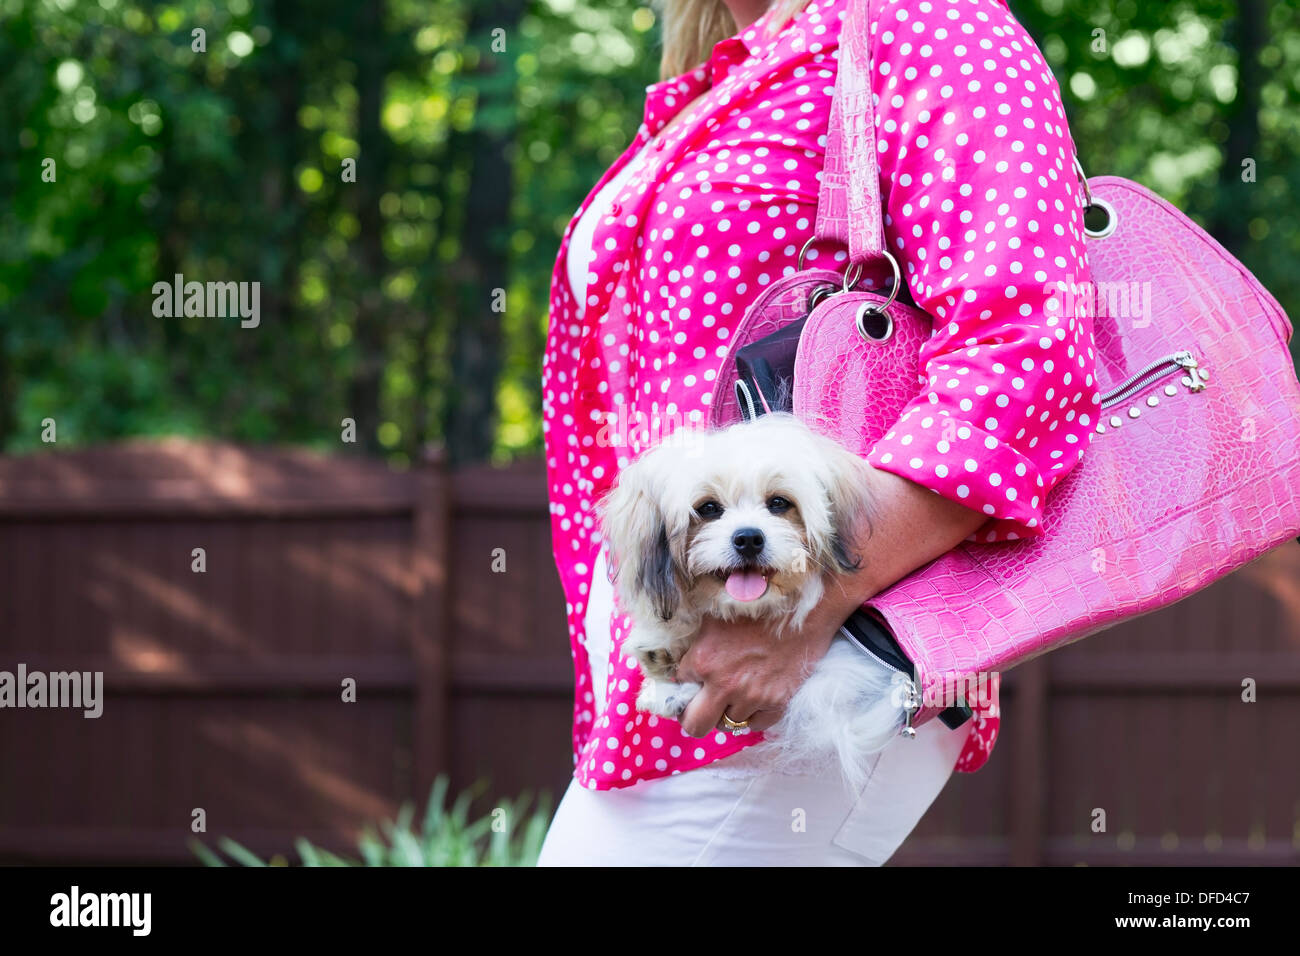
<point>510,835</point>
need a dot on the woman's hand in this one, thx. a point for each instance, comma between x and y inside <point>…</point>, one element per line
<point>748,673</point>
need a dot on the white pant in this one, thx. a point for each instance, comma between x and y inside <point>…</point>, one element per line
<point>739,812</point>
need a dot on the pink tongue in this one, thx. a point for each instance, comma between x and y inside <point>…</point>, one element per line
<point>746,585</point>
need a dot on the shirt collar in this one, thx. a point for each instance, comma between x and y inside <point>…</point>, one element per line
<point>737,49</point>
<point>752,40</point>
<point>665,98</point>
<point>726,54</point>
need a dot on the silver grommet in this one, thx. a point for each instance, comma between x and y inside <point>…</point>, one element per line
<point>859,320</point>
<point>1112,219</point>
<point>818,294</point>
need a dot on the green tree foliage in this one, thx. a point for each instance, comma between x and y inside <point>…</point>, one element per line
<point>1185,96</point>
<point>476,130</point>
<point>226,165</point>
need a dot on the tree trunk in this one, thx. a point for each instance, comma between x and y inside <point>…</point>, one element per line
<point>469,418</point>
<point>371,338</point>
<point>1245,32</point>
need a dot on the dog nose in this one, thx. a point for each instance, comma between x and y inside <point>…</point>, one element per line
<point>748,542</point>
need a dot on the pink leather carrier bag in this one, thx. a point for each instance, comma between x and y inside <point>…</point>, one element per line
<point>1194,467</point>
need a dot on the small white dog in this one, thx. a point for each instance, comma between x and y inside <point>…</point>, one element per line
<point>750,521</point>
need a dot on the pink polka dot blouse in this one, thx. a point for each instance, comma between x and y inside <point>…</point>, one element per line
<point>981,209</point>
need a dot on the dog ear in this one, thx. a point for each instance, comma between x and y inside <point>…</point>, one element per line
<point>659,578</point>
<point>636,529</point>
<point>845,484</point>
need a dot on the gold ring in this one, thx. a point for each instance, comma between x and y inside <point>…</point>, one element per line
<point>735,726</point>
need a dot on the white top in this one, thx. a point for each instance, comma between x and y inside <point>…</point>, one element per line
<point>580,250</point>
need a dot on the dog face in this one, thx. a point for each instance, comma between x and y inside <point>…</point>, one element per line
<point>747,521</point>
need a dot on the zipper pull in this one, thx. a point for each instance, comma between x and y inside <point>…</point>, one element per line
<point>1196,376</point>
<point>911,704</point>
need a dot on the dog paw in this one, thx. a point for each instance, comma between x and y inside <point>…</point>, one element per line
<point>657,664</point>
<point>665,698</point>
<point>682,695</point>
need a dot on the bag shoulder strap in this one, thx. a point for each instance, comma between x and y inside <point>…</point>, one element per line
<point>848,202</point>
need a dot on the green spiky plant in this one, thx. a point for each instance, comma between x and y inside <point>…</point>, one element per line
<point>446,837</point>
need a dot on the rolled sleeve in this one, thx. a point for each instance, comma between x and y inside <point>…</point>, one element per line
<point>981,209</point>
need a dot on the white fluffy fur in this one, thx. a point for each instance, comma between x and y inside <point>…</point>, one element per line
<point>671,563</point>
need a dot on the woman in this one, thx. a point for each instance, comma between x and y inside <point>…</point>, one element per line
<point>711,203</point>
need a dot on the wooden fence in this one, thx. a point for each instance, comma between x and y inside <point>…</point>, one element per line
<point>225,688</point>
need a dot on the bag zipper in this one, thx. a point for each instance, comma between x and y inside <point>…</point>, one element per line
<point>912,702</point>
<point>1155,371</point>
<point>745,401</point>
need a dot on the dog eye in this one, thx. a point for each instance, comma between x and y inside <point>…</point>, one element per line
<point>709,510</point>
<point>778,505</point>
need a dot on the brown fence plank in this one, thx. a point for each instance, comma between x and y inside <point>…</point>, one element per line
<point>1029,708</point>
<point>430,619</point>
